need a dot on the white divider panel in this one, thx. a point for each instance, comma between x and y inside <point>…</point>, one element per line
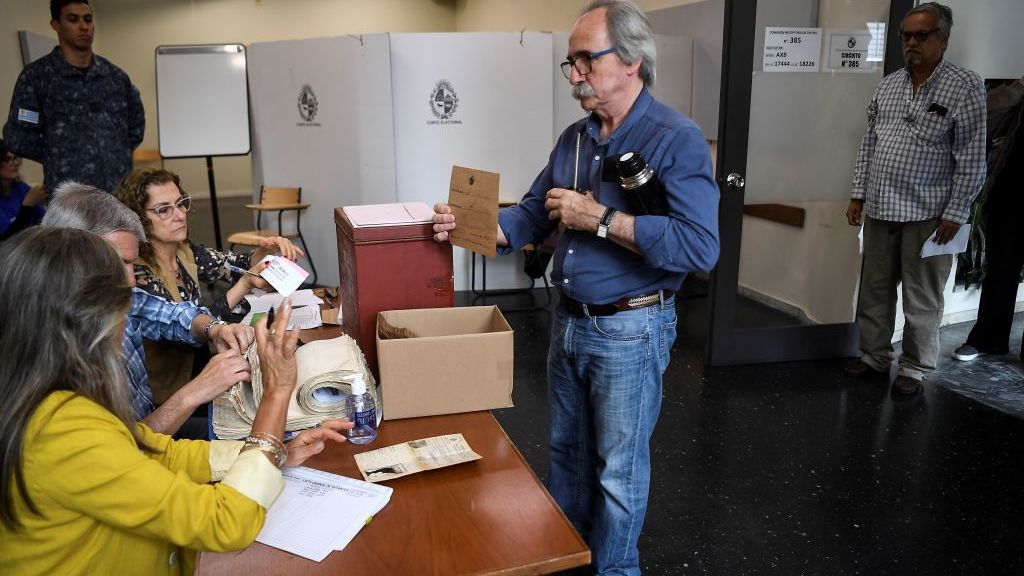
<point>476,100</point>
<point>322,119</point>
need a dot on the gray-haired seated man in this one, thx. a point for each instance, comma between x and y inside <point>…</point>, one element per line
<point>86,208</point>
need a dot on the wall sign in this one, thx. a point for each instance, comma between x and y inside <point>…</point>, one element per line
<point>792,49</point>
<point>848,51</point>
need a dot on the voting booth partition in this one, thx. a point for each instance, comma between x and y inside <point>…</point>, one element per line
<point>382,118</point>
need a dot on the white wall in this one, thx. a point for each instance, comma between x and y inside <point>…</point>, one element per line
<point>34,17</point>
<point>986,37</point>
<point>703,22</point>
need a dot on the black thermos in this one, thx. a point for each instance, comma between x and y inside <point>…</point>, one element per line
<point>643,189</point>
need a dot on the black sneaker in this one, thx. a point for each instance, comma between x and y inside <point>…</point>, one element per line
<point>966,353</point>
<point>906,385</point>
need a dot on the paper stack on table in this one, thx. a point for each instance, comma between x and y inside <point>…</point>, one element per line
<point>318,512</point>
<point>305,308</point>
<point>326,369</point>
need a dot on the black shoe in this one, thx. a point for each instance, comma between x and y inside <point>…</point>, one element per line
<point>966,353</point>
<point>906,385</point>
<point>861,369</point>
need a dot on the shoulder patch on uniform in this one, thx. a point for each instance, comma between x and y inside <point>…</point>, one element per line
<point>30,116</point>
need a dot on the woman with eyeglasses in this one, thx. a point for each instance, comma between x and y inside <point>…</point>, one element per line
<point>21,205</point>
<point>84,487</point>
<point>172,266</point>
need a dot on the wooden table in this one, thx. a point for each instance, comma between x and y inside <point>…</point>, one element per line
<point>490,516</point>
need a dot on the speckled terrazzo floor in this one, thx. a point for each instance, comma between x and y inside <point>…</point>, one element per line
<point>793,468</point>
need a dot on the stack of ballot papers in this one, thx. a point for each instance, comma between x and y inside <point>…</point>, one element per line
<point>305,308</point>
<point>326,369</point>
<point>318,512</point>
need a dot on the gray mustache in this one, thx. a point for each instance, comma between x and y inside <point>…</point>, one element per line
<point>582,90</point>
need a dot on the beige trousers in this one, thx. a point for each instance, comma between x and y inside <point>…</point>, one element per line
<point>892,257</point>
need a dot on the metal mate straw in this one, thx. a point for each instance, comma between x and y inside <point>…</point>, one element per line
<point>576,167</point>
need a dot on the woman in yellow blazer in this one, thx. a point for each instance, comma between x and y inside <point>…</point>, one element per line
<point>84,488</point>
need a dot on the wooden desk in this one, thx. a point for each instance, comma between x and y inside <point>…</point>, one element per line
<point>491,516</point>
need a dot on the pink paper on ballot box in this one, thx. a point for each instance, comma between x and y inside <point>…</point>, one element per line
<point>283,274</point>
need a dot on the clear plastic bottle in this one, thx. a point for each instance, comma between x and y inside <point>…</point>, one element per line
<point>363,411</point>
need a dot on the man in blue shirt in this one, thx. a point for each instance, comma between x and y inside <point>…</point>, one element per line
<point>87,208</point>
<point>617,273</point>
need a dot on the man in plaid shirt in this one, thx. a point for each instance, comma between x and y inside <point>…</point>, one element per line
<point>920,165</point>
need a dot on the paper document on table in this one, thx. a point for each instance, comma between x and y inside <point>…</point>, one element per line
<point>473,197</point>
<point>318,512</point>
<point>400,214</point>
<point>414,456</point>
<point>956,245</point>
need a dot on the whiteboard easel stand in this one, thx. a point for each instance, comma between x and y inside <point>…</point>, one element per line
<point>203,106</point>
<point>213,202</point>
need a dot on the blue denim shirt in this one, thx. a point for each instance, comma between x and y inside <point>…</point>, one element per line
<point>596,270</point>
<point>154,318</point>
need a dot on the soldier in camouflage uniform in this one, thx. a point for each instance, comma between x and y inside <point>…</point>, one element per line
<point>73,111</point>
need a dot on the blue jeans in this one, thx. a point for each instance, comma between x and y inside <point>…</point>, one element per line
<point>604,375</point>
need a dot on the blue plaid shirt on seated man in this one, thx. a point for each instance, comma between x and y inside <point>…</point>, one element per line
<point>923,154</point>
<point>154,318</point>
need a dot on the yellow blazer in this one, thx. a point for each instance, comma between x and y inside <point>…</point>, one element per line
<point>109,508</point>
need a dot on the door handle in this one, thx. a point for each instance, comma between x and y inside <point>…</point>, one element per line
<point>735,181</point>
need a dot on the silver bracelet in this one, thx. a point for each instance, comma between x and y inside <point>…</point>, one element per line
<point>269,444</point>
<point>209,325</point>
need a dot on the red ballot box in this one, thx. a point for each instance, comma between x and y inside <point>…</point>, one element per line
<point>388,267</point>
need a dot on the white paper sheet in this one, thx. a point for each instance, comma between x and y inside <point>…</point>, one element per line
<point>955,246</point>
<point>399,214</point>
<point>283,274</point>
<point>318,512</point>
<point>261,301</point>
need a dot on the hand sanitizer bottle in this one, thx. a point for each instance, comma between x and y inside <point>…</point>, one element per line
<point>363,411</point>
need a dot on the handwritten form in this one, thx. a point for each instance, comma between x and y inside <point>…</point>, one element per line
<point>318,512</point>
<point>473,197</point>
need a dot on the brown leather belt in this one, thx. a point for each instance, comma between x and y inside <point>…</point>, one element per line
<point>576,308</point>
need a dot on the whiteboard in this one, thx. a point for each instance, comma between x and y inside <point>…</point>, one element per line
<point>34,46</point>
<point>202,100</point>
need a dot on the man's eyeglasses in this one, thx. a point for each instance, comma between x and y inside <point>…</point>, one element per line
<point>919,36</point>
<point>582,62</point>
<point>164,211</point>
<point>12,159</point>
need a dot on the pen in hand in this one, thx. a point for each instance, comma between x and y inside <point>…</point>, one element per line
<point>238,270</point>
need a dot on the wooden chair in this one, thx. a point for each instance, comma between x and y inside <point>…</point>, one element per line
<point>280,200</point>
<point>147,157</point>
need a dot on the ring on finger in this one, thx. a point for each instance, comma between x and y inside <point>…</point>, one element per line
<point>272,332</point>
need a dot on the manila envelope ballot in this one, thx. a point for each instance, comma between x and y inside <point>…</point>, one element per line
<point>473,197</point>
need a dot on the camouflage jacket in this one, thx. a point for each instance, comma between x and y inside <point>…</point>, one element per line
<point>81,124</point>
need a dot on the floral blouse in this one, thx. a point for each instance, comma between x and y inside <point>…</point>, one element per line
<point>210,269</point>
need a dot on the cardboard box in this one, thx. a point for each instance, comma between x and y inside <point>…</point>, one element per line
<point>460,360</point>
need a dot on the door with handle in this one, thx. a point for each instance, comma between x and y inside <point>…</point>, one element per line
<point>797,76</point>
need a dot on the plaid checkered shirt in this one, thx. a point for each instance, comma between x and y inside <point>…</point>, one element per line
<point>154,318</point>
<point>923,154</point>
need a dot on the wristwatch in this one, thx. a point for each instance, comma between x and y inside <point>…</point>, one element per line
<point>606,221</point>
<point>211,324</point>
